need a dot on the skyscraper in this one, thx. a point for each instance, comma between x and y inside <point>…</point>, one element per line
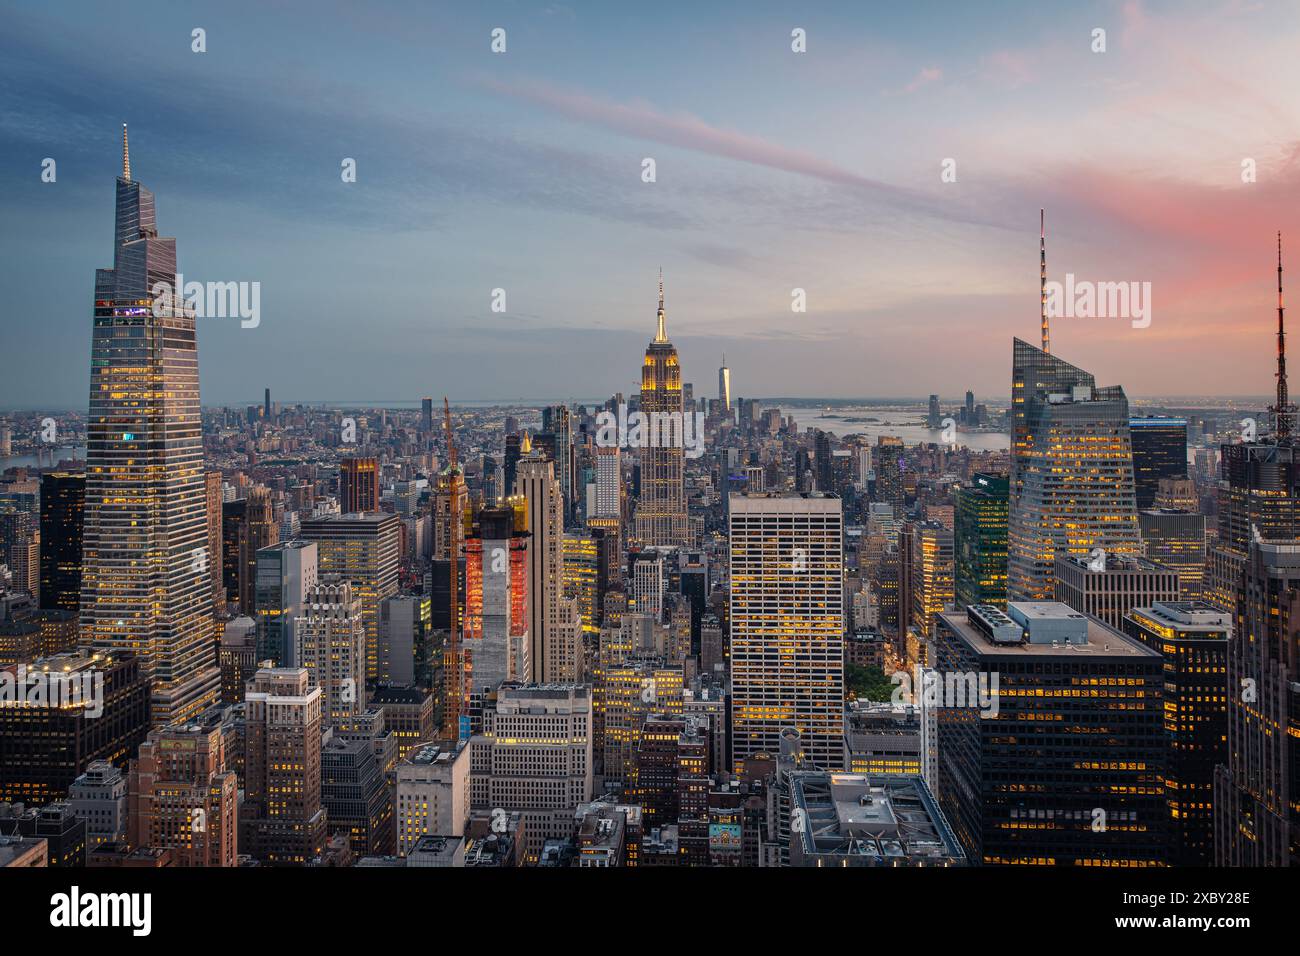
<point>282,820</point>
<point>1159,451</point>
<point>1256,820</point>
<point>1050,738</point>
<point>554,627</point>
<point>362,549</point>
<point>359,485</point>
<point>724,387</point>
<point>146,584</point>
<point>330,644</point>
<point>1193,638</point>
<point>661,511</point>
<point>62,507</point>
<point>1071,470</point>
<point>980,542</point>
<point>496,634</point>
<point>1259,484</point>
<point>787,624</point>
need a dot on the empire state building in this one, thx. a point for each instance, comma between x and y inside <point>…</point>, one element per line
<point>661,512</point>
<point>146,580</point>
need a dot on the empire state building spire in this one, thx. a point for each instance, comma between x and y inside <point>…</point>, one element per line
<point>662,334</point>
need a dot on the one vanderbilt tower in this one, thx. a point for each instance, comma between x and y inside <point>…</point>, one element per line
<point>146,583</point>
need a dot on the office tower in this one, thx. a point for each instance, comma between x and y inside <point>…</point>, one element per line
<point>426,416</point>
<point>48,736</point>
<point>1193,639</point>
<point>281,820</point>
<point>1071,470</point>
<point>283,574</point>
<point>1109,586</point>
<point>648,577</point>
<point>888,459</point>
<point>329,643</point>
<point>934,416</point>
<point>98,796</point>
<point>534,756</point>
<point>724,388</point>
<point>234,545</point>
<point>213,495</point>
<point>585,579</point>
<point>787,624</point>
<point>980,541</point>
<point>881,738</point>
<point>408,715</point>
<point>433,793</point>
<point>406,640</point>
<point>511,460</point>
<point>362,549</point>
<point>1159,451</point>
<point>1050,738</point>
<point>62,830</point>
<point>183,795</point>
<point>1176,540</point>
<point>557,422</point>
<point>496,637</point>
<point>1256,819</point>
<point>661,510</point>
<point>145,582</point>
<point>355,795</point>
<point>62,500</point>
<point>237,657</point>
<point>20,549</point>
<point>860,820</point>
<point>553,625</point>
<point>931,582</point>
<point>359,485</point>
<point>247,525</point>
<point>1176,494</point>
<point>627,692</point>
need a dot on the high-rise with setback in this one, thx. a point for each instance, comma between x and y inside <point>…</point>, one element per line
<point>661,511</point>
<point>146,584</point>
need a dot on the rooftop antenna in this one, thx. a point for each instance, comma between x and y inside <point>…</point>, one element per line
<point>1283,411</point>
<point>126,156</point>
<point>661,335</point>
<point>1042,280</point>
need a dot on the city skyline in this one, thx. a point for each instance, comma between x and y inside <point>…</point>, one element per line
<point>466,157</point>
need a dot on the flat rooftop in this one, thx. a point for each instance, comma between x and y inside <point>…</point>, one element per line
<point>1103,640</point>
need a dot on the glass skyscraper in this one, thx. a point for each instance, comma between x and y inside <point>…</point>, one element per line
<point>1071,471</point>
<point>980,542</point>
<point>1159,451</point>
<point>146,585</point>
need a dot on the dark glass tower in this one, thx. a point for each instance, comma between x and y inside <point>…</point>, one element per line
<point>63,496</point>
<point>980,542</point>
<point>146,585</point>
<point>1159,451</point>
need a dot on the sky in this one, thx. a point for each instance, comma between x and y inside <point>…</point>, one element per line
<point>775,170</point>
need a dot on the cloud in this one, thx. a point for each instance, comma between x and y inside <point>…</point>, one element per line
<point>928,75</point>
